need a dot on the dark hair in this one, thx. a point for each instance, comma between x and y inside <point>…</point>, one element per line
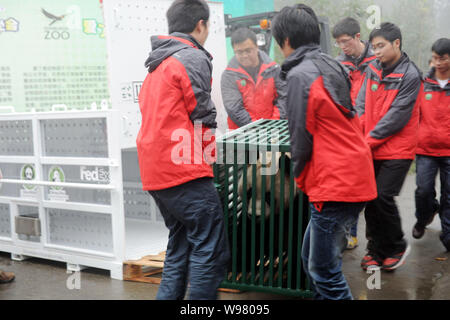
<point>348,26</point>
<point>441,46</point>
<point>183,15</point>
<point>387,30</point>
<point>242,34</point>
<point>297,23</point>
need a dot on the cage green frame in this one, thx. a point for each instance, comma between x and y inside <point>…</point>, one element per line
<point>265,252</point>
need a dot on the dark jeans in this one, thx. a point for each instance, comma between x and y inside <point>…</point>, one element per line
<point>426,203</point>
<point>197,250</point>
<point>383,223</point>
<point>354,229</point>
<point>324,241</point>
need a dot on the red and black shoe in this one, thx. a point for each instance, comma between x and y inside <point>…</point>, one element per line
<point>397,260</point>
<point>370,260</point>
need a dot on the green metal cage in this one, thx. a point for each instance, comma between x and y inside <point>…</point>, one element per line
<point>265,214</point>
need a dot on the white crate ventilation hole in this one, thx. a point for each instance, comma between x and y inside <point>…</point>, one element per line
<point>16,138</point>
<point>5,221</point>
<point>83,230</point>
<point>75,138</point>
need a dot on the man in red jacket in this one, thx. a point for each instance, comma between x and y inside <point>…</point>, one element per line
<point>356,56</point>
<point>175,102</point>
<point>251,87</point>
<point>433,152</point>
<point>387,104</point>
<point>332,163</point>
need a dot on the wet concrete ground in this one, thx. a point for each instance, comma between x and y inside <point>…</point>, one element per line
<point>422,277</point>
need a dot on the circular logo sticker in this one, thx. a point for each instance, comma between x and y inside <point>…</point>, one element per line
<point>243,83</point>
<point>56,174</point>
<point>374,87</point>
<point>28,173</point>
<point>428,96</point>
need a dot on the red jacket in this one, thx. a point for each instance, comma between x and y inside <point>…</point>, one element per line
<point>357,68</point>
<point>175,93</point>
<point>332,162</point>
<point>389,109</point>
<point>434,124</point>
<point>247,101</point>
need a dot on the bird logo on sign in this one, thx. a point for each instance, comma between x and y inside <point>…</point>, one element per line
<point>52,17</point>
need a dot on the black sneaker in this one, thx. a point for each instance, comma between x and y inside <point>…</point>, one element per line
<point>371,260</point>
<point>418,231</point>
<point>397,260</point>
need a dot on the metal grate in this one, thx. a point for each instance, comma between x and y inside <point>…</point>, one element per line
<point>265,214</point>
<point>263,134</point>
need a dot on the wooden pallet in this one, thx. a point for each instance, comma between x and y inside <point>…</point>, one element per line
<point>147,269</point>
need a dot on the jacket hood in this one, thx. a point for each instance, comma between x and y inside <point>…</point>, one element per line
<point>164,47</point>
<point>335,77</point>
<point>297,57</point>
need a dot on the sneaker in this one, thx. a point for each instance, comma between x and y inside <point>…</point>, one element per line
<point>418,231</point>
<point>370,261</point>
<point>397,260</point>
<point>352,243</point>
<point>6,277</point>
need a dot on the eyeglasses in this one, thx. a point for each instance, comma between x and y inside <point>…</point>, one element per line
<point>244,52</point>
<point>439,59</point>
<point>342,43</point>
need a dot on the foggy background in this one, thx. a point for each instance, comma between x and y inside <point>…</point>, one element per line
<point>421,21</point>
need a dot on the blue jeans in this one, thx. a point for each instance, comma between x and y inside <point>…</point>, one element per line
<point>354,229</point>
<point>426,203</point>
<point>325,240</point>
<point>197,250</point>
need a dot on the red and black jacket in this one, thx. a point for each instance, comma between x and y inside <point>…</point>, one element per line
<point>175,96</point>
<point>331,160</point>
<point>434,123</point>
<point>357,68</point>
<point>246,100</point>
<point>389,110</point>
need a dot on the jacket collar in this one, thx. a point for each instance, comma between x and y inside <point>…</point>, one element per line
<point>432,80</point>
<point>164,47</point>
<point>367,56</point>
<point>297,57</point>
<point>394,73</point>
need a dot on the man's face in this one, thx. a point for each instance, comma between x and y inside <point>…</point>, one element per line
<point>386,51</point>
<point>348,44</point>
<point>442,63</point>
<point>247,53</point>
